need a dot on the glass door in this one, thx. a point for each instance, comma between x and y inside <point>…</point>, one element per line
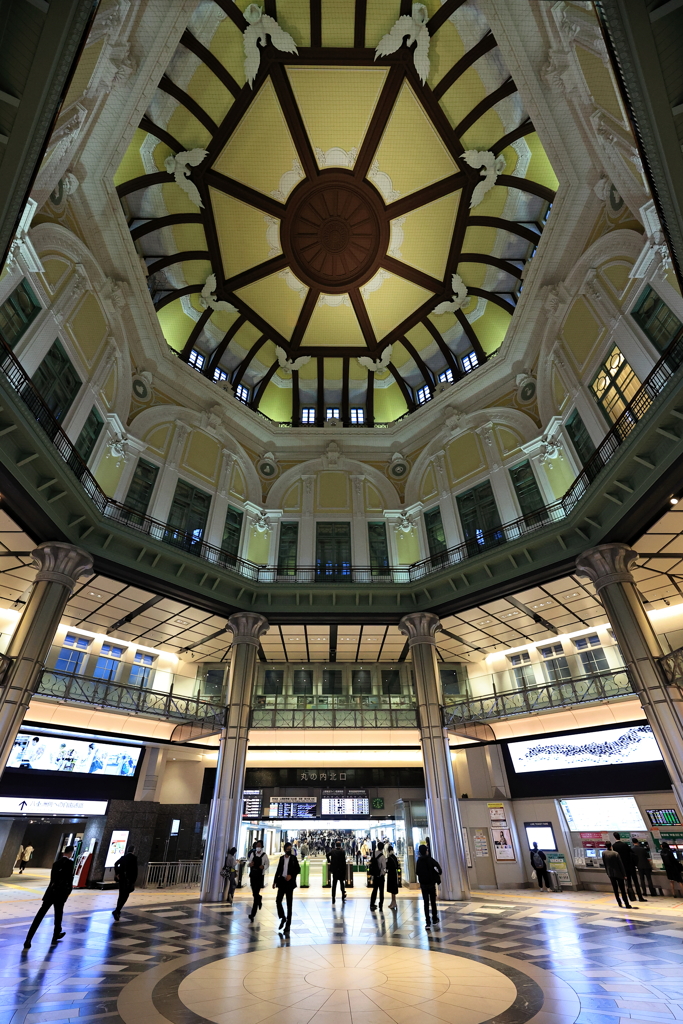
<point>188,516</point>
<point>333,551</point>
<point>479,518</point>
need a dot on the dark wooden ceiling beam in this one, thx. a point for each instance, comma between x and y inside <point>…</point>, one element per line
<point>370,400</point>
<point>441,16</point>
<point>525,128</point>
<point>378,121</point>
<point>158,223</point>
<point>176,257</point>
<point>492,261</point>
<point>428,375</point>
<point>296,400</point>
<point>237,190</point>
<point>316,23</point>
<point>171,89</point>
<point>304,318</point>
<point>506,225</point>
<point>345,399</point>
<point>506,89</point>
<point>405,390</point>
<point>194,335</point>
<point>148,125</point>
<point>446,352</point>
<point>257,273</point>
<point>459,231</point>
<point>437,115</point>
<point>471,336</point>
<point>259,389</point>
<point>525,185</point>
<point>505,304</point>
<point>177,293</point>
<point>320,402</point>
<point>239,371</point>
<point>220,348</point>
<point>295,121</point>
<point>212,62</point>
<point>363,318</point>
<point>485,45</point>
<point>143,181</point>
<point>412,274</point>
<point>428,194</point>
<point>359,23</point>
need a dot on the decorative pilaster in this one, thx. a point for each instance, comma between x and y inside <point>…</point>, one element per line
<point>226,809</point>
<point>59,566</point>
<point>608,566</point>
<point>442,807</point>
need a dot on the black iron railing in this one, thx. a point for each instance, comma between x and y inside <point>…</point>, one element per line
<point>640,405</point>
<point>672,666</point>
<point>317,711</point>
<point>509,703</point>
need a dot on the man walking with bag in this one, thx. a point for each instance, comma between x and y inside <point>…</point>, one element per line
<point>56,895</point>
<point>285,883</point>
<point>428,873</point>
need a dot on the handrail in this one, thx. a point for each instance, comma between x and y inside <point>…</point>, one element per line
<point>642,401</point>
<point>530,699</point>
<point>346,711</point>
<point>672,666</point>
<point>325,701</point>
<point>130,699</point>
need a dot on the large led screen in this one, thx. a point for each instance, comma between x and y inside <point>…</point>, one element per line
<point>603,814</point>
<point>623,745</point>
<point>61,754</point>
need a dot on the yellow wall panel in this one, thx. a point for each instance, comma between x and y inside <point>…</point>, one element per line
<point>464,456</point>
<point>334,492</point>
<point>258,547</point>
<point>108,472</point>
<point>277,403</point>
<point>158,439</point>
<point>428,484</point>
<point>408,547</point>
<point>600,82</point>
<point>582,331</point>
<point>389,404</point>
<point>337,103</point>
<point>238,485</point>
<point>108,391</point>
<point>202,455</point>
<point>373,499</point>
<point>88,327</point>
<point>559,391</point>
<point>618,275</point>
<point>337,22</point>
<point>55,268</point>
<point>292,499</point>
<point>508,440</point>
<point>559,474</point>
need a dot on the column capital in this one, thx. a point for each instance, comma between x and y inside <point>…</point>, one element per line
<point>420,627</point>
<point>248,627</point>
<point>606,564</point>
<point>61,563</point>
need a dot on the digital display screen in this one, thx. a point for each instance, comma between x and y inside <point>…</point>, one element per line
<point>603,814</point>
<point>252,804</point>
<point>81,757</point>
<point>117,848</point>
<point>339,803</point>
<point>623,745</point>
<point>543,835</point>
<point>663,816</point>
<point>293,807</point>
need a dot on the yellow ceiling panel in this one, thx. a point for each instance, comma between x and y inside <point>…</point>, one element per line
<point>295,17</point>
<point>420,337</point>
<point>392,302</point>
<point>539,168</point>
<point>463,95</point>
<point>175,200</point>
<point>333,369</point>
<point>444,321</point>
<point>427,235</point>
<point>308,372</point>
<point>175,324</point>
<point>400,355</point>
<point>277,403</point>
<point>275,301</point>
<point>195,271</point>
<point>185,127</point>
<point>492,327</point>
<point>479,239</point>
<point>389,404</point>
<point>228,45</point>
<point>260,150</point>
<point>380,15</point>
<point>245,337</point>
<point>473,274</point>
<point>210,93</point>
<point>334,325</point>
<point>235,219</point>
<point>445,48</point>
<point>337,21</point>
<point>357,372</point>
<point>485,131</point>
<point>409,131</point>
<point>222,320</point>
<point>188,236</point>
<point>336,103</point>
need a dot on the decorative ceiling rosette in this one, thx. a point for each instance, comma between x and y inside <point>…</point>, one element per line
<point>359,185</point>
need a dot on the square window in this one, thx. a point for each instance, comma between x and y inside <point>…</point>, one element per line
<point>470,362</point>
<point>423,395</point>
<point>242,393</point>
<point>583,642</point>
<point>357,416</point>
<point>332,413</point>
<point>219,375</point>
<point>308,416</point>
<point>446,377</point>
<point>196,360</point>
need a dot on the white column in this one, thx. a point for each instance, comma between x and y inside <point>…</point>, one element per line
<point>133,448</point>
<point>609,568</point>
<point>226,807</point>
<point>445,829</point>
<point>307,528</point>
<point>219,506</point>
<point>360,544</point>
<point>162,499</point>
<point>60,566</point>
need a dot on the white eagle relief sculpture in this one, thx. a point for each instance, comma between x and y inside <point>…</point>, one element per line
<point>459,297</point>
<point>490,165</point>
<point>208,297</point>
<point>259,28</point>
<point>376,365</point>
<point>414,26</point>
<point>287,364</point>
<point>179,166</point>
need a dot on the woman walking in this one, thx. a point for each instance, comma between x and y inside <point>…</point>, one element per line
<point>673,868</point>
<point>613,865</point>
<point>392,877</point>
<point>229,873</point>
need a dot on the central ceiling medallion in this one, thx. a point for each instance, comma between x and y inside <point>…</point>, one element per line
<point>335,231</point>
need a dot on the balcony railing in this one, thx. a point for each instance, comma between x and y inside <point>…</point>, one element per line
<point>584,690</point>
<point>167,874</point>
<point>132,700</point>
<point>672,666</point>
<point>371,711</point>
<point>640,405</point>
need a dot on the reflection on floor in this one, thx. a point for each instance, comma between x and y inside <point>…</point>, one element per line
<point>503,957</point>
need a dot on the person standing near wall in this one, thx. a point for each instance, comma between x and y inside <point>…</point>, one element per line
<point>539,864</point>
<point>673,868</point>
<point>616,872</point>
<point>377,871</point>
<point>428,873</point>
<point>337,861</point>
<point>643,865</point>
<point>126,874</point>
<point>56,895</point>
<point>632,883</point>
<point>392,877</point>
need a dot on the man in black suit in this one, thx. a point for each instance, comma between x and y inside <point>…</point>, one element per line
<point>126,874</point>
<point>56,895</point>
<point>336,858</point>
<point>627,859</point>
<point>285,883</point>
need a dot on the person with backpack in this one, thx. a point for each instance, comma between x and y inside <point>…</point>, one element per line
<point>428,873</point>
<point>258,864</point>
<point>377,870</point>
<point>337,860</point>
<point>539,864</point>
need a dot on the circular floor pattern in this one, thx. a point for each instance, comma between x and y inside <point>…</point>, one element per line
<point>354,984</point>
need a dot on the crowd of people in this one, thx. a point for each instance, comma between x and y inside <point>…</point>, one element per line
<point>312,843</point>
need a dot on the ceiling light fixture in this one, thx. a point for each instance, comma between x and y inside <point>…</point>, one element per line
<point>673,501</point>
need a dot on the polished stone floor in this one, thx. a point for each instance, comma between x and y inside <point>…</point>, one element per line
<point>502,958</point>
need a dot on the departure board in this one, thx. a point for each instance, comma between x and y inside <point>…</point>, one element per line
<point>252,803</point>
<point>341,803</point>
<point>663,816</point>
<point>293,807</point>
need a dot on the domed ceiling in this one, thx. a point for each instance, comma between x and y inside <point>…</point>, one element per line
<point>335,202</point>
